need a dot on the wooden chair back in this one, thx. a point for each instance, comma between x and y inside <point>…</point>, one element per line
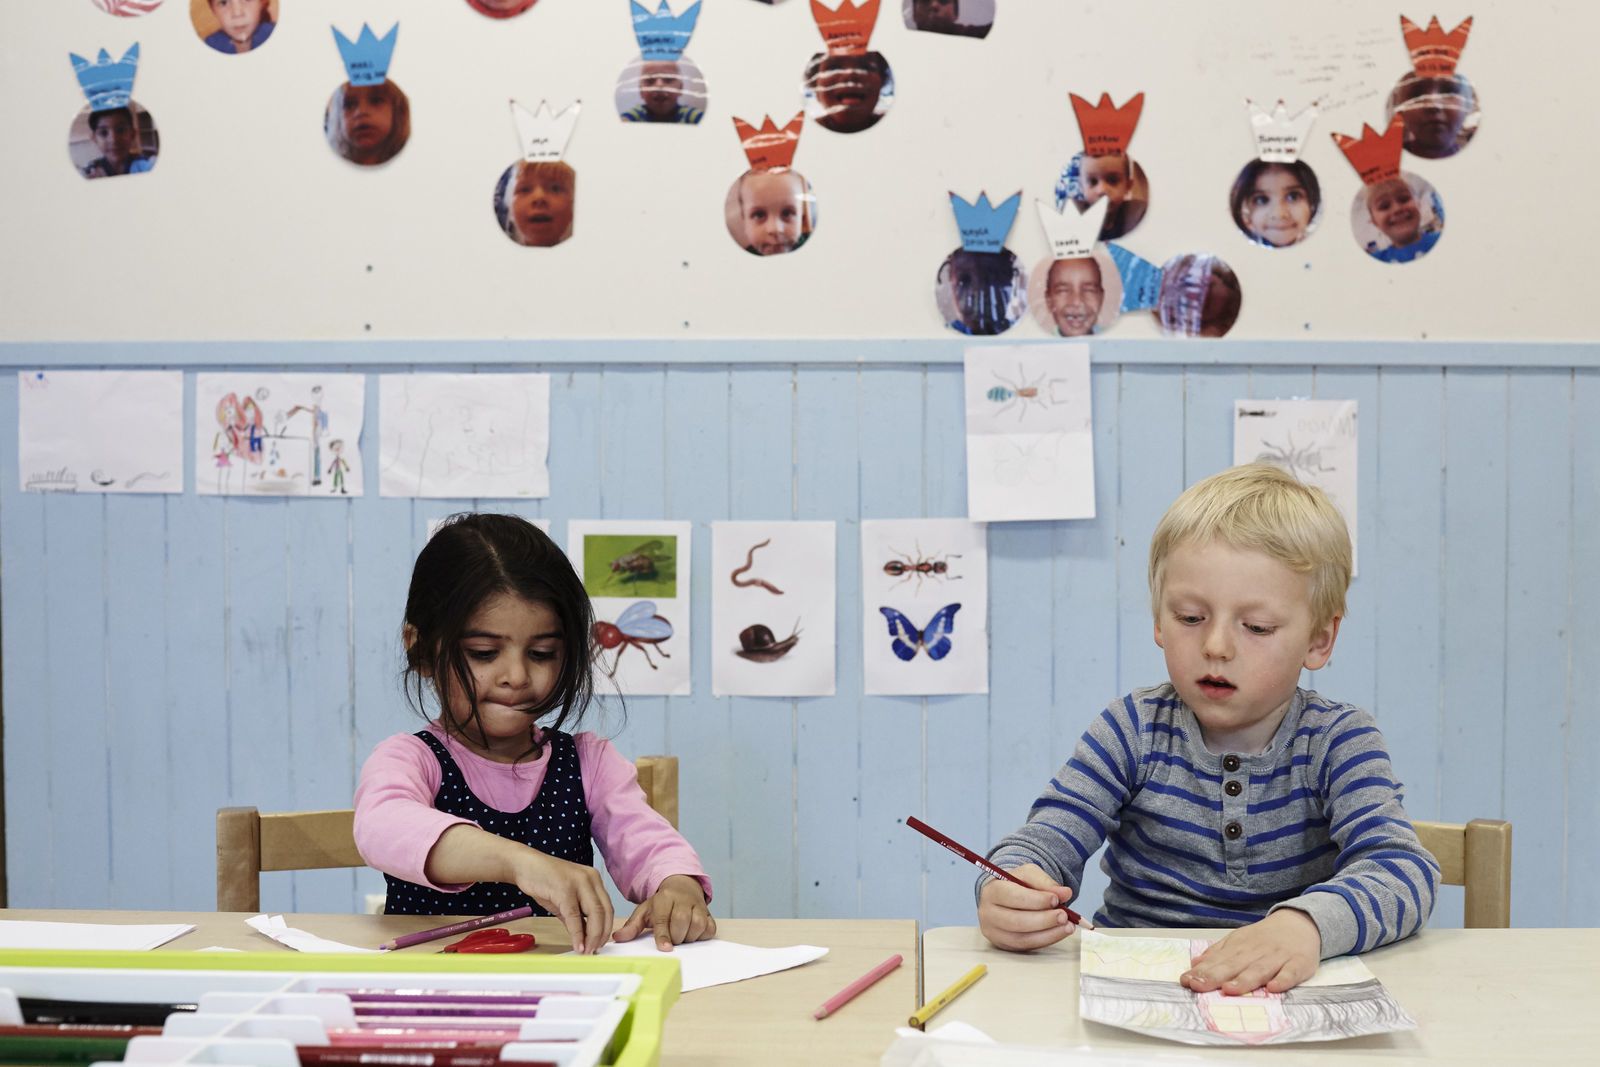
<point>249,842</point>
<point>1478,857</point>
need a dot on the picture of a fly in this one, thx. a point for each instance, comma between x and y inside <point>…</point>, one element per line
<point>918,566</point>
<point>637,627</point>
<point>639,565</point>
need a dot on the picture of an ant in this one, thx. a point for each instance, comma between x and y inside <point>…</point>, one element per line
<point>916,565</point>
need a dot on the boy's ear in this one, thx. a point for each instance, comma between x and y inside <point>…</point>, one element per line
<point>1321,648</point>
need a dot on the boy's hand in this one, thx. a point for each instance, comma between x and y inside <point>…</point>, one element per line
<point>1279,952</point>
<point>572,892</point>
<point>1019,919</point>
<point>677,913</point>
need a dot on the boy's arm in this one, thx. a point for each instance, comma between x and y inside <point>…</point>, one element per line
<point>1384,881</point>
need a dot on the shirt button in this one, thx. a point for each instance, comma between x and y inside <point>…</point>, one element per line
<point>1233,830</point>
<point>1233,788</point>
<point>1230,763</point>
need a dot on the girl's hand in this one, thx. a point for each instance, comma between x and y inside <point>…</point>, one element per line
<point>677,913</point>
<point>572,892</point>
<point>1019,919</point>
<point>1277,953</point>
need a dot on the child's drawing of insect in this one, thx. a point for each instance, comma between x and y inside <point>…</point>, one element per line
<point>1300,462</point>
<point>1030,462</point>
<point>640,564</point>
<point>905,639</point>
<point>637,627</point>
<point>1019,394</point>
<point>918,566</point>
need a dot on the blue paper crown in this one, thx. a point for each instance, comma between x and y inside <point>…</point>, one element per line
<point>1141,279</point>
<point>663,35</point>
<point>105,83</point>
<point>984,227</point>
<point>366,59</point>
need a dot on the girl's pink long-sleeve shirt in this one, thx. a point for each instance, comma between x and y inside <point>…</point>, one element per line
<point>397,824</point>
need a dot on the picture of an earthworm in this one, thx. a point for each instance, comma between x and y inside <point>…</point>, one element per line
<point>749,561</point>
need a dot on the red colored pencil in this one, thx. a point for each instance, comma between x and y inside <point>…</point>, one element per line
<point>323,1056</point>
<point>849,992</point>
<point>972,857</point>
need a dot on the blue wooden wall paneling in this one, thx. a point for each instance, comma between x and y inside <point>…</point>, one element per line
<point>1350,675</point>
<point>1150,422</point>
<point>1581,869</point>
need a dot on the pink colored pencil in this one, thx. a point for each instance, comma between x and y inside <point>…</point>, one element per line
<point>407,940</point>
<point>854,989</point>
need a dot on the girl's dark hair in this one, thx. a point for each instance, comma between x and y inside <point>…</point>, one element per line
<point>1245,184</point>
<point>471,558</point>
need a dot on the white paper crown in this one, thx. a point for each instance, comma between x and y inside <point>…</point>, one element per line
<point>1278,137</point>
<point>1072,235</point>
<point>542,133</point>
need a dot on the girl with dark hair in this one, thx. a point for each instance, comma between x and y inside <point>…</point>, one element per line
<point>1276,204</point>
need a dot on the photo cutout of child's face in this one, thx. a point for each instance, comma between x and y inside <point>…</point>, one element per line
<point>234,27</point>
<point>661,90</point>
<point>1200,297</point>
<point>960,18</point>
<point>1276,204</point>
<point>368,124</point>
<point>1440,113</point>
<point>981,293</point>
<point>1114,177</point>
<point>1075,297</point>
<point>770,213</point>
<point>534,202</point>
<point>1398,219</point>
<point>501,9</point>
<point>848,94</point>
<point>113,142</point>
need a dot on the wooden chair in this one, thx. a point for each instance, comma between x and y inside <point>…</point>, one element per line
<point>1477,856</point>
<point>249,842</point>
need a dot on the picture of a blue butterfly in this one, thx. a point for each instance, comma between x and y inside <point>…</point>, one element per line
<point>905,638</point>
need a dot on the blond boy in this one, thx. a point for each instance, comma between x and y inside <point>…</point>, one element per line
<point>1229,796</point>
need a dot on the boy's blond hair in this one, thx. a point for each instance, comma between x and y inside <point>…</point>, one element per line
<point>1261,507</point>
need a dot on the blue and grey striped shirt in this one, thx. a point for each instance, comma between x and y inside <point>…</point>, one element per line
<point>1314,822</point>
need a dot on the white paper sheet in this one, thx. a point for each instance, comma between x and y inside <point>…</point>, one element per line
<point>924,606</point>
<point>717,962</point>
<point>464,435</point>
<point>120,937</point>
<point>637,576</point>
<point>1315,440</point>
<point>100,431</point>
<point>275,927</point>
<point>777,575</point>
<point>262,434</point>
<point>1030,442</point>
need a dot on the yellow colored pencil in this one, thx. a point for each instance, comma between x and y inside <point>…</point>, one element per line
<point>958,987</point>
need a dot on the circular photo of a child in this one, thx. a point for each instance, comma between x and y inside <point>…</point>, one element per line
<point>113,141</point>
<point>959,18</point>
<point>1200,296</point>
<point>661,90</point>
<point>1397,220</point>
<point>1440,113</point>
<point>234,26</point>
<point>534,201</point>
<point>1076,297</point>
<point>501,9</point>
<point>770,212</point>
<point>127,8</point>
<point>981,293</point>
<point>368,124</point>
<point>848,94</point>
<point>1116,177</point>
<point>1276,204</point>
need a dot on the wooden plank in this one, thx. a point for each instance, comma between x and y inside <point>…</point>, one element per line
<point>1581,808</point>
<point>1150,476</point>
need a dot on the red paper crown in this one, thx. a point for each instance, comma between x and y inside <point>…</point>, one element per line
<point>770,148</point>
<point>1376,157</point>
<point>1435,53</point>
<point>1106,129</point>
<point>846,31</point>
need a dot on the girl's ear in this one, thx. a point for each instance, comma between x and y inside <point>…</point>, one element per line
<point>408,634</point>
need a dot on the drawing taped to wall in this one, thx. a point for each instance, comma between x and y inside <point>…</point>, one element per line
<point>910,601</point>
<point>1314,440</point>
<point>100,431</point>
<point>272,434</point>
<point>1030,445</point>
<point>464,435</point>
<point>773,576</point>
<point>637,576</point>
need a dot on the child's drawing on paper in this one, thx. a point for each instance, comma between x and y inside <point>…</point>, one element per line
<point>100,431</point>
<point>464,435</point>
<point>1030,445</point>
<point>1314,440</point>
<point>264,436</point>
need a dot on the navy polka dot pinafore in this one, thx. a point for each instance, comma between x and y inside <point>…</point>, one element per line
<point>556,823</point>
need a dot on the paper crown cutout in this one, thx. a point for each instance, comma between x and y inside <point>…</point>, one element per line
<point>366,59</point>
<point>1106,129</point>
<point>1279,137</point>
<point>984,226</point>
<point>663,35</point>
<point>107,83</point>
<point>127,8</point>
<point>846,30</point>
<point>1072,234</point>
<point>1141,280</point>
<point>542,133</point>
<point>1375,156</point>
<point>1435,53</point>
<point>769,147</point>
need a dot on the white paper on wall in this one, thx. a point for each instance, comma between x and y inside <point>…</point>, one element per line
<point>100,431</point>
<point>773,602</point>
<point>925,606</point>
<point>1030,442</point>
<point>637,576</point>
<point>464,435</point>
<point>259,434</point>
<point>1315,440</point>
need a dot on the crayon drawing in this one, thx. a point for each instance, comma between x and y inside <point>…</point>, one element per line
<point>278,434</point>
<point>464,435</point>
<point>1030,443</point>
<point>1314,440</point>
<point>100,431</point>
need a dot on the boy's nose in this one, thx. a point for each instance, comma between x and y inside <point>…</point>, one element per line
<point>1217,645</point>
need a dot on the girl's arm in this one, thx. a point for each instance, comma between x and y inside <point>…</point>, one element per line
<point>640,847</point>
<point>396,823</point>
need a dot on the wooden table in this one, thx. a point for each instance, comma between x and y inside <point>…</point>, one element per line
<point>766,1020</point>
<point>1479,996</point>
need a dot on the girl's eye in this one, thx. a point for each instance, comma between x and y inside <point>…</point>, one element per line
<point>1258,200</point>
<point>759,215</point>
<point>481,655</point>
<point>1295,196</point>
<point>541,655</point>
<point>788,214</point>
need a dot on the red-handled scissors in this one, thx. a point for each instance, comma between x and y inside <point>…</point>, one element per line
<point>494,939</point>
